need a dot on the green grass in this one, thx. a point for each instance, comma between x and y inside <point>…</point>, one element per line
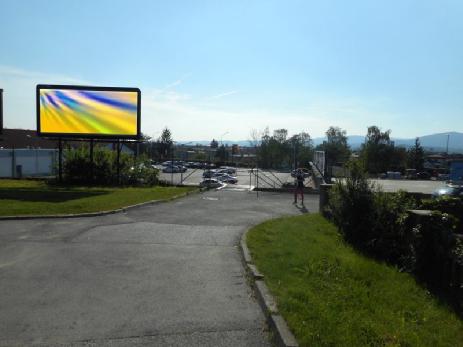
<point>30,197</point>
<point>330,295</point>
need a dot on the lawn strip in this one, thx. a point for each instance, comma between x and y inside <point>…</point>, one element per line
<point>21,198</point>
<point>331,295</point>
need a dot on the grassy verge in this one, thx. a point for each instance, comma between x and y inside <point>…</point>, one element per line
<point>28,197</point>
<point>332,296</point>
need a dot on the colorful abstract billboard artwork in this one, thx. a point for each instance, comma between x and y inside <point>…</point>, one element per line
<point>92,112</point>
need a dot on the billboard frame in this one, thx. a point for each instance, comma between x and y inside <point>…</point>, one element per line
<point>94,135</point>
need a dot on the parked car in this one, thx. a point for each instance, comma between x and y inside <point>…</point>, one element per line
<point>455,191</point>
<point>228,169</point>
<point>210,183</point>
<point>227,178</point>
<point>174,169</point>
<point>209,173</point>
<point>208,166</point>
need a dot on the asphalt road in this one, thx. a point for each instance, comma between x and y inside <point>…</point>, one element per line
<point>168,274</point>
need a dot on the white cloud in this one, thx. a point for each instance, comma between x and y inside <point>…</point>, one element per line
<point>221,95</point>
<point>191,118</point>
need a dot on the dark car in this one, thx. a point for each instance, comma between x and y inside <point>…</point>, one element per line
<point>226,178</point>
<point>210,183</point>
<point>209,173</point>
<point>455,191</point>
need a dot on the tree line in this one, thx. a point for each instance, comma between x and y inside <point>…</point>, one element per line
<point>279,150</point>
<point>378,153</point>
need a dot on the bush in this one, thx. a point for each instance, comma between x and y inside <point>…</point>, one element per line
<point>373,220</point>
<point>447,204</point>
<point>391,237</point>
<point>351,205</point>
<point>78,169</point>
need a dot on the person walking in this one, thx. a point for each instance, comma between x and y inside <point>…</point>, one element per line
<point>299,185</point>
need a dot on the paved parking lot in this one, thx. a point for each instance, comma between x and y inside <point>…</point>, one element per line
<point>417,186</point>
<point>167,274</point>
<point>267,178</point>
<point>272,179</point>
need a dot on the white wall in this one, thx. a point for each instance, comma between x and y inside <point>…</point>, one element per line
<point>34,162</point>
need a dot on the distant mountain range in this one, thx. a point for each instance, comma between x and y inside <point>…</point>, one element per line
<point>433,142</point>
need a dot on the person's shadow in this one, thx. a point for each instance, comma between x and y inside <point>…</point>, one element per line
<point>302,209</point>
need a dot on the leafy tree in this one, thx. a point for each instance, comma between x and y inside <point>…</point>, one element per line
<point>222,153</point>
<point>415,158</point>
<point>280,135</point>
<point>214,143</point>
<point>165,144</point>
<point>378,150</point>
<point>278,151</point>
<point>302,149</point>
<point>335,147</point>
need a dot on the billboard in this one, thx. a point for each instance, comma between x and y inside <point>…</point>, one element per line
<point>88,112</point>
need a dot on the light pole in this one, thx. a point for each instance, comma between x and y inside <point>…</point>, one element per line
<point>221,137</point>
<point>172,163</point>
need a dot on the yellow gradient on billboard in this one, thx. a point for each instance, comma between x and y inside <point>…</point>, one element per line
<point>88,112</point>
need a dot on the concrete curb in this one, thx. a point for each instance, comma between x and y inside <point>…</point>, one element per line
<point>281,334</point>
<point>100,213</point>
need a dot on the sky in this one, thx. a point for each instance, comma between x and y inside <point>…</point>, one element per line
<point>219,69</point>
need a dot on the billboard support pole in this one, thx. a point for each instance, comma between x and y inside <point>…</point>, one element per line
<point>60,160</point>
<point>91,159</point>
<point>118,149</point>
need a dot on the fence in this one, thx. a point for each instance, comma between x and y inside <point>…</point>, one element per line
<point>17,163</point>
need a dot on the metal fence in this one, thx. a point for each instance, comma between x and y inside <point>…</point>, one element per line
<point>17,163</point>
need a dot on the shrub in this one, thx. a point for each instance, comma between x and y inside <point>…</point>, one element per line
<point>78,169</point>
<point>373,220</point>
<point>391,236</point>
<point>447,204</point>
<point>351,205</point>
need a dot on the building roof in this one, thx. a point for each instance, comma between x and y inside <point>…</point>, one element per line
<point>21,138</point>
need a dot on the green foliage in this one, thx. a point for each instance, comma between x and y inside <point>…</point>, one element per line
<point>381,225</point>
<point>415,156</point>
<point>277,151</point>
<point>447,204</point>
<point>78,168</point>
<point>330,295</point>
<point>164,145</point>
<point>379,153</point>
<point>336,148</point>
<point>351,205</point>
<point>221,153</point>
<point>372,220</point>
<point>391,238</point>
